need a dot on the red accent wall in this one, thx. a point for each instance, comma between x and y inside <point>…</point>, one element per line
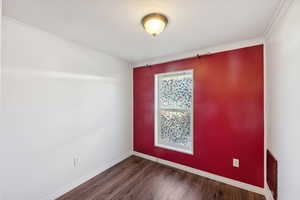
<point>228,113</point>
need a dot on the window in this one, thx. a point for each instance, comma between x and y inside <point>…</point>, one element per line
<point>174,111</point>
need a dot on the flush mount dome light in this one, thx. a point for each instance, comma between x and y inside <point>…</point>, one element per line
<point>154,23</point>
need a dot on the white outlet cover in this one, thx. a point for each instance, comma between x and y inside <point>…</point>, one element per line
<point>236,162</point>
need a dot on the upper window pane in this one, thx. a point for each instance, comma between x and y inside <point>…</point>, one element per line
<point>175,91</point>
<point>174,98</point>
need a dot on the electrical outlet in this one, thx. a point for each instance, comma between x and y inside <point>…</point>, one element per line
<point>76,161</point>
<point>236,162</point>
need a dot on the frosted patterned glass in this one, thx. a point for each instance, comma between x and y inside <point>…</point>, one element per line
<point>174,93</point>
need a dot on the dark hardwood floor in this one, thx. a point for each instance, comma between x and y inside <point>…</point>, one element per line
<point>140,179</point>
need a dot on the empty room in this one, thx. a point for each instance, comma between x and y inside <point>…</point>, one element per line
<point>150,100</point>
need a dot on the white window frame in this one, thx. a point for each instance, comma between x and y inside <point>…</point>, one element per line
<point>156,121</point>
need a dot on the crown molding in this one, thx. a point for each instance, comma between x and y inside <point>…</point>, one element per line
<point>210,50</point>
<point>280,12</point>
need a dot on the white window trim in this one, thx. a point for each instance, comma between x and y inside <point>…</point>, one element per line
<point>191,152</point>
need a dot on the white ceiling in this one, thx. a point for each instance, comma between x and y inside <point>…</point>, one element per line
<point>113,26</point>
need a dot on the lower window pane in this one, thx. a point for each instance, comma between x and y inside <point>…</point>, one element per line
<point>173,106</point>
<point>175,128</point>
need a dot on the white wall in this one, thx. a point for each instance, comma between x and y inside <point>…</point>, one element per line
<point>1,192</point>
<point>1,119</point>
<point>283,99</point>
<point>61,100</point>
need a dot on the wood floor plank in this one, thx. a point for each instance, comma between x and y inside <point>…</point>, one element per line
<point>140,179</point>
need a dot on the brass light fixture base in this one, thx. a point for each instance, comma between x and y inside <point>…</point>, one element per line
<point>157,17</point>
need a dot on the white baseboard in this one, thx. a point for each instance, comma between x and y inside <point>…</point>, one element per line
<point>229,181</point>
<point>269,195</point>
<point>85,178</point>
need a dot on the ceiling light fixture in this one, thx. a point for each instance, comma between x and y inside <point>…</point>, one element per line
<point>154,23</point>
